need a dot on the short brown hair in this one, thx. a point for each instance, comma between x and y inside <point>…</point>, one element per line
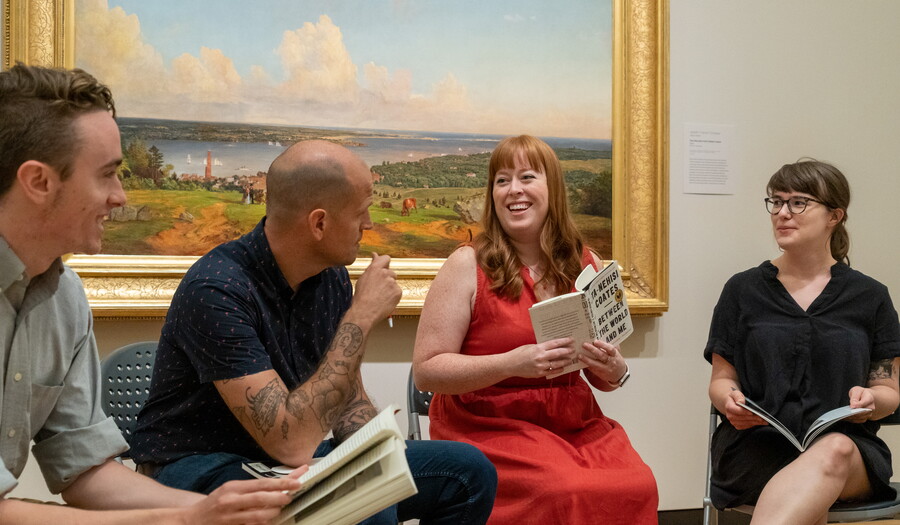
<point>825,183</point>
<point>38,106</point>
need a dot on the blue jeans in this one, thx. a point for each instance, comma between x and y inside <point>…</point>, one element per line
<point>456,482</point>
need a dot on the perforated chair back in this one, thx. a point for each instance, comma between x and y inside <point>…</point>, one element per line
<point>125,384</point>
<point>417,405</point>
<point>840,512</point>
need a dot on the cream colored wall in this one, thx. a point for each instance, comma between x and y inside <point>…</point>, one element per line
<point>800,78</point>
<point>811,77</point>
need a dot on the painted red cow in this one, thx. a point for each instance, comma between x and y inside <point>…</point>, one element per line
<point>408,204</point>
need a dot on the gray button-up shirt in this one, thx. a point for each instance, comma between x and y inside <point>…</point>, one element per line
<point>49,377</point>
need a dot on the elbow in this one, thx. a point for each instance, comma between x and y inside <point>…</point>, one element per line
<point>424,378</point>
<point>290,454</point>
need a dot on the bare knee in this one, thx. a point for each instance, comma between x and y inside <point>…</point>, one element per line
<point>836,455</point>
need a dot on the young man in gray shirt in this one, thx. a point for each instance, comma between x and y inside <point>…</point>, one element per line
<point>59,152</point>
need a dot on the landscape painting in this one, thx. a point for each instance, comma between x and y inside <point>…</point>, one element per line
<point>209,92</point>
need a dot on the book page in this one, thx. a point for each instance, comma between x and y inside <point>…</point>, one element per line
<point>829,418</point>
<point>758,410</point>
<point>339,477</point>
<point>379,427</point>
<point>819,425</point>
<point>563,316</point>
<point>352,497</point>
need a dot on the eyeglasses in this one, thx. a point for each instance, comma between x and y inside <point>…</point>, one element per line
<point>796,205</point>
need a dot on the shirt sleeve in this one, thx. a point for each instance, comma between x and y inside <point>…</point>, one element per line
<point>722,329</point>
<point>77,435</point>
<point>7,480</point>
<point>215,326</point>
<point>886,336</point>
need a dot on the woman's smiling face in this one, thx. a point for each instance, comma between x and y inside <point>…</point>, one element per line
<point>520,197</point>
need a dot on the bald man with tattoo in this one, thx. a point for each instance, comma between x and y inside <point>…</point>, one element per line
<point>259,358</point>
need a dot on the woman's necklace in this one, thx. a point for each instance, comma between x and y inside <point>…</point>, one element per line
<point>535,274</point>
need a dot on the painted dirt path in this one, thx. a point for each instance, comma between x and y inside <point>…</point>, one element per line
<point>196,237</point>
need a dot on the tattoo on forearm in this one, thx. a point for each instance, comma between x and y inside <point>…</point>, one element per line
<point>349,337</point>
<point>883,369</point>
<point>284,428</point>
<point>327,398</point>
<point>324,396</point>
<point>240,413</point>
<point>357,414</point>
<point>297,402</point>
<point>332,385</point>
<point>264,405</point>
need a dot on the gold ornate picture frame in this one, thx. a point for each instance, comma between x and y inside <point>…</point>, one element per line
<point>125,286</point>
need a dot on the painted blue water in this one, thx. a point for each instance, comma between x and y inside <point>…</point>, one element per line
<point>240,158</point>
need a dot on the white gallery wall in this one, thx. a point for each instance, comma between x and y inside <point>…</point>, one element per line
<point>795,78</point>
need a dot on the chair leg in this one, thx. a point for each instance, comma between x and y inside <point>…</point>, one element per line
<point>710,514</point>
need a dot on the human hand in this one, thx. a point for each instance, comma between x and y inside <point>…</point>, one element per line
<point>740,417</point>
<point>861,397</point>
<point>377,292</point>
<point>603,360</point>
<point>541,359</point>
<point>253,502</point>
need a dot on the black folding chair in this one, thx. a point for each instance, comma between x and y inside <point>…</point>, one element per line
<point>125,378</point>
<point>417,403</point>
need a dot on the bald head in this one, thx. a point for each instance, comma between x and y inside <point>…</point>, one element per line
<point>309,175</point>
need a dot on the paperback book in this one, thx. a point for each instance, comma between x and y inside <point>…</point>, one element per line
<point>597,310</point>
<point>362,476</point>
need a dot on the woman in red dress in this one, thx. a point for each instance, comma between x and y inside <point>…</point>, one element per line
<point>558,458</point>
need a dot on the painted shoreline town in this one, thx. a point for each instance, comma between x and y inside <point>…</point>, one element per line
<point>193,185</point>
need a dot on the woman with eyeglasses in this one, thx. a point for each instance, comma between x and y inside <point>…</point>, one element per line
<point>800,335</point>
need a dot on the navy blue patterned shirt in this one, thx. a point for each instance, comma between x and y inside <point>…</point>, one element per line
<point>233,315</point>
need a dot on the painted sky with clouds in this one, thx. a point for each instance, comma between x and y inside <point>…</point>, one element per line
<point>488,66</point>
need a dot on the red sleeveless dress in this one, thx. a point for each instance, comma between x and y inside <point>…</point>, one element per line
<point>558,458</point>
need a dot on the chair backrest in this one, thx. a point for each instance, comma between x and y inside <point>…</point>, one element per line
<point>125,383</point>
<point>840,512</point>
<point>417,404</point>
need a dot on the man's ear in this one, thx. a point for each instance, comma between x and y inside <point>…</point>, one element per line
<point>317,221</point>
<point>38,181</point>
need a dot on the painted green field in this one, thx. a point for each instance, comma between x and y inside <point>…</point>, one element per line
<point>433,229</point>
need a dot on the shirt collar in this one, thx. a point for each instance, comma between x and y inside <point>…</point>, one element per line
<point>12,269</point>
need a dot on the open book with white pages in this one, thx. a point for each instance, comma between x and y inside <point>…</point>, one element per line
<point>362,476</point>
<point>819,425</point>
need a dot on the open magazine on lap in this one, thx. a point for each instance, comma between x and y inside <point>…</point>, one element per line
<point>819,425</point>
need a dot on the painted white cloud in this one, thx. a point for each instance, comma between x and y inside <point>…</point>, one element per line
<point>319,85</point>
<point>317,65</point>
<point>110,48</point>
<point>211,77</point>
<point>385,87</point>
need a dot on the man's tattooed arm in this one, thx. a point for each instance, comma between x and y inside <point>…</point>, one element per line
<point>358,412</point>
<point>324,397</point>
<point>883,369</point>
<point>264,405</point>
<point>289,424</point>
